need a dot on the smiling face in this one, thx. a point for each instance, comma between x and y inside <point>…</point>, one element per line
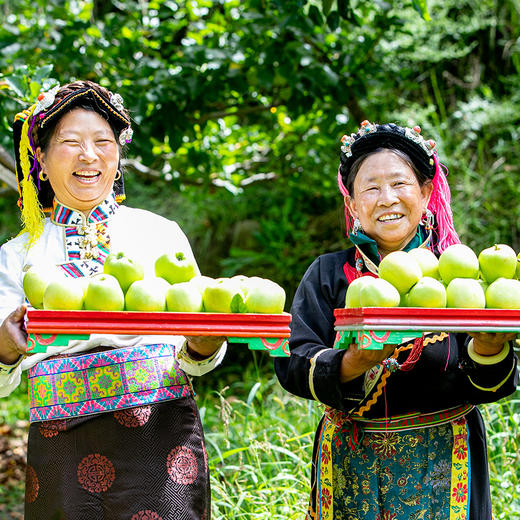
<point>81,159</point>
<point>388,200</point>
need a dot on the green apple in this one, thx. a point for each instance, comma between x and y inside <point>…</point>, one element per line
<point>503,293</point>
<point>64,294</point>
<point>427,261</point>
<point>202,282</point>
<point>176,268</point>
<point>354,290</point>
<point>224,295</point>
<point>245,281</point>
<point>427,292</point>
<point>265,297</point>
<point>483,284</point>
<point>518,266</point>
<point>147,295</point>
<point>126,270</point>
<point>465,293</point>
<point>401,269</point>
<point>498,261</point>
<point>379,293</point>
<point>184,297</point>
<point>458,261</point>
<point>104,294</point>
<point>35,280</point>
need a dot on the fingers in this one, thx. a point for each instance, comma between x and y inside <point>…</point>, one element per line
<point>19,313</point>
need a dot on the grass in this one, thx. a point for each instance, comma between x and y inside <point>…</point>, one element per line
<point>259,443</point>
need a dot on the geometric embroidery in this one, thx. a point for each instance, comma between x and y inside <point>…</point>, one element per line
<point>69,387</point>
<point>87,241</point>
<point>105,381</point>
<point>141,375</point>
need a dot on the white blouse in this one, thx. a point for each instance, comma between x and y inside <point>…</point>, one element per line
<point>142,235</point>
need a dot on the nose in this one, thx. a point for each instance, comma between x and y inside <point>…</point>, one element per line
<point>88,153</point>
<point>388,196</point>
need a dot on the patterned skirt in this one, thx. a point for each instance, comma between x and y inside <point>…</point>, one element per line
<point>142,463</point>
<point>360,473</point>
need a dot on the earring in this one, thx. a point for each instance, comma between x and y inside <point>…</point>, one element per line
<point>43,176</point>
<point>427,220</point>
<point>118,175</point>
<point>356,227</point>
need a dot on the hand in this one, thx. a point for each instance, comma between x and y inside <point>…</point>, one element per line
<point>490,343</point>
<point>13,337</point>
<point>356,361</point>
<point>201,347</point>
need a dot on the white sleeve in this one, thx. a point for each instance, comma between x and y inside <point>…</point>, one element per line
<point>199,368</point>
<point>11,296</point>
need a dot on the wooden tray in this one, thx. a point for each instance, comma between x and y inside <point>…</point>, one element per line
<point>373,327</point>
<point>56,328</point>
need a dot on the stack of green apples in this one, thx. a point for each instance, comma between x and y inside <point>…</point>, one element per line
<point>458,278</point>
<point>176,286</point>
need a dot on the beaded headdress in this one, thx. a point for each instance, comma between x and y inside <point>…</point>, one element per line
<point>371,137</point>
<point>36,196</point>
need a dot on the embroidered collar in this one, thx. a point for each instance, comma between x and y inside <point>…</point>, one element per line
<point>64,216</point>
<point>369,246</point>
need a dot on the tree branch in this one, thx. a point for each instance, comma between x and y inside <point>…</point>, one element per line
<point>8,176</point>
<point>6,159</point>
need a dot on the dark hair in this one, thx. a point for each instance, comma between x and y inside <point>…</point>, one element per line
<point>42,136</point>
<point>350,176</point>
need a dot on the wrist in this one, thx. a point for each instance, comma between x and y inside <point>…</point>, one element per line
<point>195,355</point>
<point>10,357</point>
<point>484,356</point>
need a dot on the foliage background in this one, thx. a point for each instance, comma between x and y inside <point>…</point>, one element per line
<point>239,105</point>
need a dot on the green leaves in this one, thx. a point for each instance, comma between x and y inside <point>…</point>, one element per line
<point>422,8</point>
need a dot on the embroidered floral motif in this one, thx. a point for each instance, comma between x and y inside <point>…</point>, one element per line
<point>32,486</point>
<point>460,492</point>
<point>325,455</point>
<point>386,515</point>
<point>326,499</point>
<point>182,465</point>
<point>384,444</point>
<point>133,417</point>
<point>384,478</point>
<point>461,452</point>
<point>146,514</point>
<point>96,473</point>
<point>52,428</point>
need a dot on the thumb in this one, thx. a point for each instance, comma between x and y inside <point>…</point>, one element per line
<point>19,312</point>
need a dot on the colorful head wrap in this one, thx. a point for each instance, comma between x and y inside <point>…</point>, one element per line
<point>371,137</point>
<point>36,196</point>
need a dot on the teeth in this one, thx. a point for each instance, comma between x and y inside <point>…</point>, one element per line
<point>87,174</point>
<point>394,216</point>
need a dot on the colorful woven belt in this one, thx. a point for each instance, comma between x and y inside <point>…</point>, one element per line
<point>105,381</point>
<point>401,422</point>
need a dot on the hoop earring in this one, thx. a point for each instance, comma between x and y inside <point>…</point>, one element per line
<point>43,176</point>
<point>427,220</point>
<point>356,226</point>
<point>118,175</point>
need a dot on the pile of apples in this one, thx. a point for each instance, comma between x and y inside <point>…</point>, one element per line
<point>458,278</point>
<point>177,286</point>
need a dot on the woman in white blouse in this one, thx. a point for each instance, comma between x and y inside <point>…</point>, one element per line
<point>115,431</point>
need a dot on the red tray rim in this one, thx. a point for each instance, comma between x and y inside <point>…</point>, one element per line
<point>132,322</point>
<point>416,318</point>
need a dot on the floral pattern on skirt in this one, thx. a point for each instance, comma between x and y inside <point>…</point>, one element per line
<point>143,463</point>
<point>419,474</point>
